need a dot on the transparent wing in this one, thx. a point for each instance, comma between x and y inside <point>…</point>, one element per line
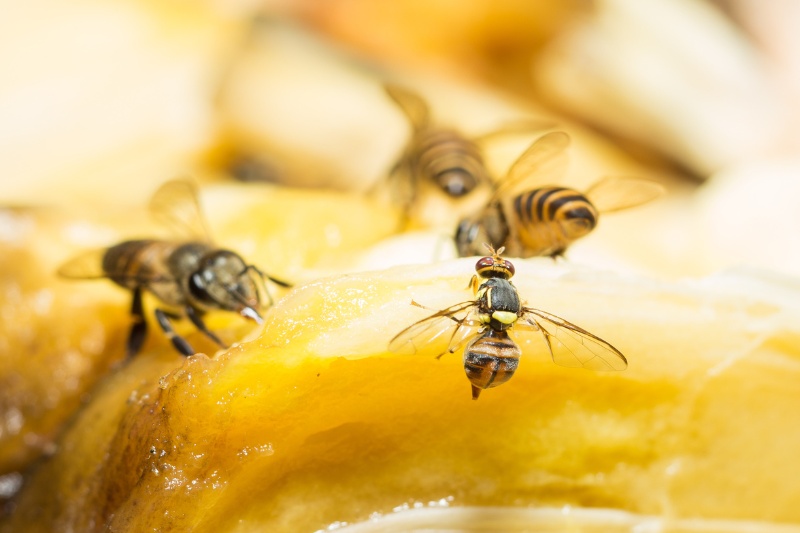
<point>176,205</point>
<point>412,104</point>
<point>435,328</point>
<point>516,127</point>
<point>402,184</point>
<point>571,345</point>
<point>543,163</point>
<point>88,265</point>
<point>615,193</point>
<point>467,330</point>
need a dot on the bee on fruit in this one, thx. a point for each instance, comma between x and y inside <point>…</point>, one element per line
<point>530,216</point>
<point>483,325</point>
<point>188,275</point>
<point>444,157</point>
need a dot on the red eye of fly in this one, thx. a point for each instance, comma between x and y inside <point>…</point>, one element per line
<point>509,267</point>
<point>484,263</point>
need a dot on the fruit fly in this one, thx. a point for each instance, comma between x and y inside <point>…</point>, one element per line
<point>532,217</point>
<point>189,276</point>
<point>483,326</point>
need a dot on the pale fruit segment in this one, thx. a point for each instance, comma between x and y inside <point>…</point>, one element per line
<point>315,422</point>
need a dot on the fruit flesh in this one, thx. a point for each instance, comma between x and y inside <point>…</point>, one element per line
<point>315,410</point>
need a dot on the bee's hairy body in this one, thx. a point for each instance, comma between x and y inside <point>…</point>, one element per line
<point>549,219</point>
<point>160,267</point>
<point>448,159</point>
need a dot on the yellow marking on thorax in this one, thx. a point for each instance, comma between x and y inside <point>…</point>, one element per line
<point>505,317</point>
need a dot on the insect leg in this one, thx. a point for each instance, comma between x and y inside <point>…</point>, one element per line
<point>450,347</point>
<point>138,330</point>
<point>179,342</point>
<point>197,320</point>
<point>171,315</point>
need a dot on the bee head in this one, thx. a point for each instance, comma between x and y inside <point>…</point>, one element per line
<point>494,266</point>
<point>489,226</point>
<point>224,281</point>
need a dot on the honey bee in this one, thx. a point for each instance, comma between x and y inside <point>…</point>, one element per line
<point>189,276</point>
<point>543,220</point>
<point>442,156</point>
<point>491,356</point>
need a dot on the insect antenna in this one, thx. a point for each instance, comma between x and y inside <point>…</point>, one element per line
<point>264,277</point>
<point>494,253</point>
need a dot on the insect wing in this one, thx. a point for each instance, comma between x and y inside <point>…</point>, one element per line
<point>517,127</point>
<point>428,330</point>
<point>176,205</point>
<point>466,331</point>
<point>572,346</point>
<point>88,265</point>
<point>412,105</point>
<point>402,185</point>
<point>616,193</point>
<point>543,163</point>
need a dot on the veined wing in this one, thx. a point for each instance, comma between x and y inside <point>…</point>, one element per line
<point>176,204</point>
<point>412,104</point>
<point>571,345</point>
<point>615,193</point>
<point>543,163</point>
<point>436,327</point>
<point>89,265</point>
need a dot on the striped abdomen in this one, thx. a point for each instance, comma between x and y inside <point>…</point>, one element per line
<point>157,266</point>
<point>449,160</point>
<point>490,360</point>
<point>550,218</point>
<point>133,263</point>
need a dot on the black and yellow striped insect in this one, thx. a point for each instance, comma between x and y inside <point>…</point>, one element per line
<point>441,156</point>
<point>483,324</point>
<point>189,276</point>
<point>532,217</point>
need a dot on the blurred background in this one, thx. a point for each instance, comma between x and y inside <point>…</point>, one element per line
<point>102,101</point>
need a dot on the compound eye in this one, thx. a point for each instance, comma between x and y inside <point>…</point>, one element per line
<point>484,263</point>
<point>510,267</point>
<point>198,288</point>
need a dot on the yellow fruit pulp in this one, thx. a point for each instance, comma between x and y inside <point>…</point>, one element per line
<point>314,422</point>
